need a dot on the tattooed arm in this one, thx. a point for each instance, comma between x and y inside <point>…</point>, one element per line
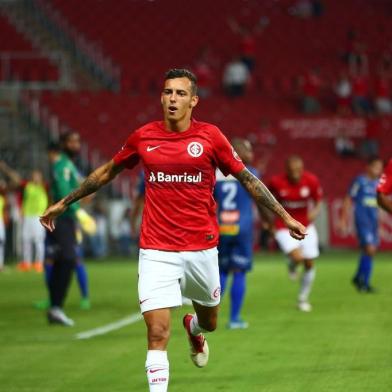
<point>264,198</point>
<point>96,180</point>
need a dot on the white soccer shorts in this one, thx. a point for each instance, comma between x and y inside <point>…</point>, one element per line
<point>164,277</point>
<point>309,245</point>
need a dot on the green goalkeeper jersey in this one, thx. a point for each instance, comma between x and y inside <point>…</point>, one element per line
<point>65,179</point>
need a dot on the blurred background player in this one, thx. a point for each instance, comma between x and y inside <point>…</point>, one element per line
<point>384,189</point>
<point>235,218</point>
<point>62,244</point>
<point>300,193</point>
<point>34,203</point>
<point>363,194</point>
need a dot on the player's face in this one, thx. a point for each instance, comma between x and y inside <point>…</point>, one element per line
<point>375,169</point>
<point>295,168</point>
<point>177,99</point>
<point>72,145</point>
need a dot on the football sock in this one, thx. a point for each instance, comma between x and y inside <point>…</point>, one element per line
<point>48,268</point>
<point>157,370</point>
<point>81,274</point>
<point>367,267</point>
<point>237,294</point>
<point>360,275</point>
<point>306,284</point>
<point>223,281</point>
<point>195,327</point>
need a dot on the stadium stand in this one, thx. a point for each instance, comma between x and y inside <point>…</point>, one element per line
<point>19,60</point>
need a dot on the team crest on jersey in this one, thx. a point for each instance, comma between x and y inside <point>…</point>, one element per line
<point>235,155</point>
<point>195,149</point>
<point>304,191</point>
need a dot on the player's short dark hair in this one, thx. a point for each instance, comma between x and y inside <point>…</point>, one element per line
<point>64,137</point>
<point>175,73</point>
<point>373,159</point>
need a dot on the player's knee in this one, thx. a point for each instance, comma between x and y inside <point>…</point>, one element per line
<point>158,333</point>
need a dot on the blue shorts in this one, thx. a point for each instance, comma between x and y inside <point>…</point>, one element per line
<point>235,252</point>
<point>367,233</point>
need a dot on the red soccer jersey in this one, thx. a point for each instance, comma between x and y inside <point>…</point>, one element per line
<point>296,197</point>
<point>179,168</point>
<point>385,183</point>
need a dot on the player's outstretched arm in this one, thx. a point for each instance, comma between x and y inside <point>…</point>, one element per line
<point>264,198</point>
<point>384,202</point>
<point>97,179</point>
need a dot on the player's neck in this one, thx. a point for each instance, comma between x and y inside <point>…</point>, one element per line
<point>179,125</point>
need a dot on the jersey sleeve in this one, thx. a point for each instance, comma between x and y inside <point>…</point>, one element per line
<point>226,157</point>
<point>128,155</point>
<point>385,183</point>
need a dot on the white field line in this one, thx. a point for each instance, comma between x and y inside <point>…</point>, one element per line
<point>132,319</point>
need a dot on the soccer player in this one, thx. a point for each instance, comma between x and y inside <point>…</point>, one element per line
<point>384,189</point>
<point>34,203</point>
<point>179,232</point>
<point>363,194</point>
<point>235,218</point>
<point>300,193</point>
<point>62,246</point>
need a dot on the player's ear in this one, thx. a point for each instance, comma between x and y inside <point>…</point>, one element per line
<point>162,99</point>
<point>194,101</point>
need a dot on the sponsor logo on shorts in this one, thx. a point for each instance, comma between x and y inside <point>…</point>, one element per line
<point>144,300</point>
<point>161,177</point>
<point>216,292</point>
<point>195,149</point>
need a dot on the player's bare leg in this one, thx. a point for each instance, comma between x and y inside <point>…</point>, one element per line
<point>205,320</point>
<point>295,259</point>
<point>157,364</point>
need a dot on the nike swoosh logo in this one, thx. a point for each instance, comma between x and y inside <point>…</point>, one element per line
<point>149,148</point>
<point>144,300</point>
<point>155,370</point>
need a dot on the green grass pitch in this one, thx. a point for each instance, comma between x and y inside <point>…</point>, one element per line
<point>345,344</point>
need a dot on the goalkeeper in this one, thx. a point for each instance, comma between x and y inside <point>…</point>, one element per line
<point>62,245</point>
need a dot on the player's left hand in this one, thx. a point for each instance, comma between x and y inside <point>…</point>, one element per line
<point>51,213</point>
<point>297,230</point>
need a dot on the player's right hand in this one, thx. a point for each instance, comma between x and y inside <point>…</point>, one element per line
<point>51,213</point>
<point>297,230</point>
